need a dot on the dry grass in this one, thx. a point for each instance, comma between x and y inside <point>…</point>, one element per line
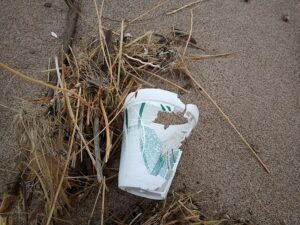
<point>68,137</point>
<point>178,209</point>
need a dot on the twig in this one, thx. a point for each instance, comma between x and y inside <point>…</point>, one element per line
<point>76,63</point>
<point>86,146</point>
<point>120,53</point>
<point>108,140</point>
<point>183,7</point>
<point>49,70</point>
<point>141,62</point>
<point>190,34</point>
<point>48,67</point>
<point>202,57</point>
<point>59,83</point>
<point>97,148</point>
<point>103,201</point>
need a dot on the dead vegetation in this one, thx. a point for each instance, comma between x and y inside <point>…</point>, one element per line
<point>67,137</point>
<point>177,209</point>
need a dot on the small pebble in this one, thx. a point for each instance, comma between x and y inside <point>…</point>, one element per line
<point>54,35</point>
<point>285,18</point>
<point>48,4</point>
